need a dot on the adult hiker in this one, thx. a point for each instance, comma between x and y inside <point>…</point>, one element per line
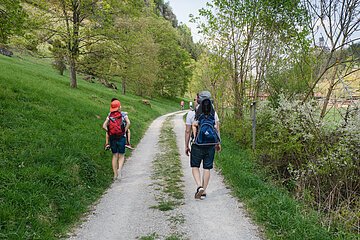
<point>205,122</point>
<point>116,124</point>
<point>127,134</point>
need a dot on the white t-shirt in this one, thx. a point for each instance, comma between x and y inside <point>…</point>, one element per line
<point>190,118</point>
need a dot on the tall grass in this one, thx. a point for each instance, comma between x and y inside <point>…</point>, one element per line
<point>52,162</point>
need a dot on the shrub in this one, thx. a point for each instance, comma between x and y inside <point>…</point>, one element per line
<point>317,160</point>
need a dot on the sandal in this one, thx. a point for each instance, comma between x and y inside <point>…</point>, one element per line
<point>199,192</point>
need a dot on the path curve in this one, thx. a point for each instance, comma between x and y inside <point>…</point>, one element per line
<point>124,210</point>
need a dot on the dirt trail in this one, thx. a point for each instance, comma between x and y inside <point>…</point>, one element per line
<point>124,211</point>
<point>219,216</point>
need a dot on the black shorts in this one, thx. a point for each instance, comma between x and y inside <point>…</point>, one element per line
<point>203,154</point>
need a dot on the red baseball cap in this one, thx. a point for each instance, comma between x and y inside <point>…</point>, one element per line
<point>115,105</point>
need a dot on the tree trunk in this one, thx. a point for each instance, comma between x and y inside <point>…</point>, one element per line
<point>123,84</point>
<point>73,81</point>
<point>237,102</point>
<point>329,92</point>
<point>327,99</point>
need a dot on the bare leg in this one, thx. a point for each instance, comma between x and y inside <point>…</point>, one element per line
<point>196,175</point>
<point>115,164</point>
<point>121,161</point>
<point>206,178</point>
<point>128,135</point>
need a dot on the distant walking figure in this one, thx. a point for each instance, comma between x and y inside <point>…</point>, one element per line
<point>182,105</point>
<point>204,124</point>
<point>116,125</point>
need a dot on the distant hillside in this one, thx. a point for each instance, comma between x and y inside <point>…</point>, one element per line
<point>350,87</point>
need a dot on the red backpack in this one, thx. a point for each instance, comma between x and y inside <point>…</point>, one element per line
<point>116,126</point>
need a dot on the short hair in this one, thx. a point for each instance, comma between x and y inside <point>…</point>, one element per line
<point>113,99</point>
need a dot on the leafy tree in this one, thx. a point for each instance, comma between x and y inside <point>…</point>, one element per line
<point>58,50</point>
<point>175,62</point>
<point>77,23</point>
<point>139,56</point>
<point>187,43</point>
<point>12,18</point>
<point>338,22</point>
<point>251,34</point>
<point>213,72</point>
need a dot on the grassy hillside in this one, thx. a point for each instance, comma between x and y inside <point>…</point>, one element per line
<point>52,162</point>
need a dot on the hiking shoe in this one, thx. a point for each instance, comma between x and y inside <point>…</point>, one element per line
<point>199,192</point>
<point>129,146</point>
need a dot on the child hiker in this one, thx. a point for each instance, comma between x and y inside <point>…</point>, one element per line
<point>116,124</point>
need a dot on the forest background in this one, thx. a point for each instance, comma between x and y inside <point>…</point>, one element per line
<point>295,61</point>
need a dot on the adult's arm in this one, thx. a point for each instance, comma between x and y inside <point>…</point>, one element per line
<point>105,124</point>
<point>187,139</point>
<point>217,126</point>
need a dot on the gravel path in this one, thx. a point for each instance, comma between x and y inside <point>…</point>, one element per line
<point>124,211</point>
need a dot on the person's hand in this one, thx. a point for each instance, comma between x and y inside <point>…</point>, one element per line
<point>187,151</point>
<point>218,147</point>
<point>107,146</point>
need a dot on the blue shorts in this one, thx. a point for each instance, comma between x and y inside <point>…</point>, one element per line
<point>205,154</point>
<point>117,144</point>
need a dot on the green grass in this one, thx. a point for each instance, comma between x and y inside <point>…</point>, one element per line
<point>167,171</point>
<point>167,176</point>
<point>52,162</point>
<point>272,207</point>
<point>152,236</point>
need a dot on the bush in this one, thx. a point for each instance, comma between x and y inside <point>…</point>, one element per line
<point>317,160</point>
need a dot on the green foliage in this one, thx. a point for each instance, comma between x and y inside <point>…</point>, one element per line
<point>113,40</point>
<point>270,206</point>
<point>52,162</point>
<point>152,236</point>
<point>12,18</point>
<point>59,53</point>
<point>212,72</point>
<point>291,76</point>
<point>186,42</point>
<point>175,63</point>
<point>315,161</point>
<point>251,37</point>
